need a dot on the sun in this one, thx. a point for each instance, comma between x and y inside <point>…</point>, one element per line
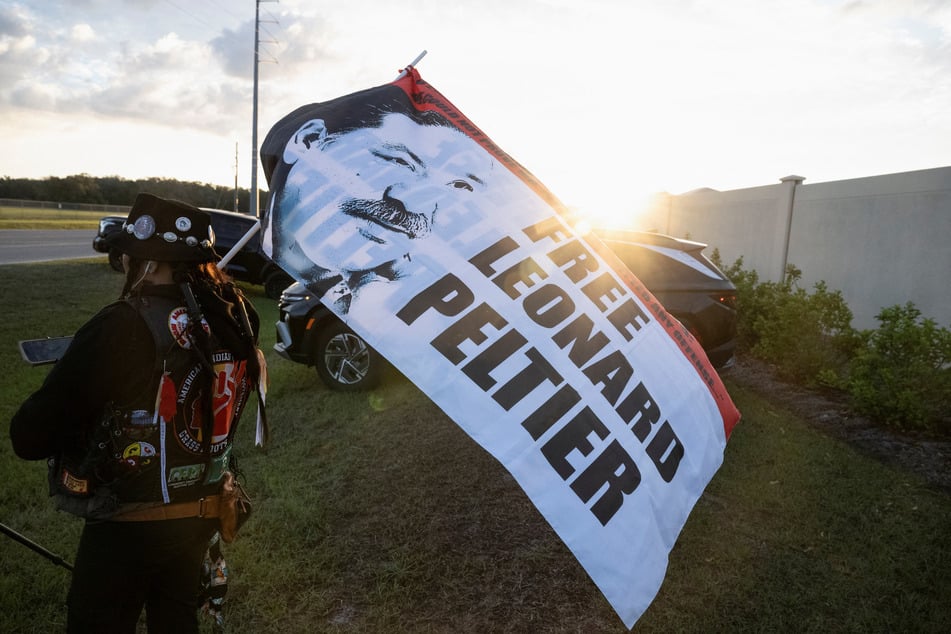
<point>593,210</point>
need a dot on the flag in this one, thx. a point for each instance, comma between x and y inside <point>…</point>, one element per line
<point>466,273</point>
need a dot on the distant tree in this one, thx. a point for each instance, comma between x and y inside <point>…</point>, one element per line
<point>115,190</point>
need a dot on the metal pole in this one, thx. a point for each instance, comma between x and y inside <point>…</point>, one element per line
<point>411,65</point>
<point>236,176</point>
<point>793,183</point>
<point>223,262</point>
<point>56,559</point>
<point>254,115</point>
<point>254,148</point>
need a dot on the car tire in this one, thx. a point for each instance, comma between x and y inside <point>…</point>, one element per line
<point>344,361</point>
<point>275,284</point>
<point>115,260</point>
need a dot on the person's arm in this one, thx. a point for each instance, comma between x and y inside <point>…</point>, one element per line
<point>98,362</point>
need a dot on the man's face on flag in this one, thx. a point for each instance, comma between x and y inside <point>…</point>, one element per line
<point>360,199</point>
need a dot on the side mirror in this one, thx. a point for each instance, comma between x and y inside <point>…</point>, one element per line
<point>44,351</point>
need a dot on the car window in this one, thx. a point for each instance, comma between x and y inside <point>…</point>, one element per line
<point>229,229</point>
<point>659,272</point>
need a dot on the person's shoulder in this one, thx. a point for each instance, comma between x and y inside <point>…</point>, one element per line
<point>119,311</point>
<point>115,320</point>
<point>113,328</point>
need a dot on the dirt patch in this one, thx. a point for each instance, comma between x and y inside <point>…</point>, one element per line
<point>927,456</point>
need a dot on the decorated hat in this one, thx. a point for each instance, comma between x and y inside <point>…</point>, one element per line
<point>165,231</point>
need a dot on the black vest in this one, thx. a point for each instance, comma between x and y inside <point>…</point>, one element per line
<point>171,443</point>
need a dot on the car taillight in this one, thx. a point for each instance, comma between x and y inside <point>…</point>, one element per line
<point>726,299</point>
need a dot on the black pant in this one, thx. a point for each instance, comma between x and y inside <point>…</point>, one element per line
<point>122,566</point>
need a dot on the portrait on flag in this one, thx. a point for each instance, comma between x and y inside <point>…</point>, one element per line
<point>458,266</point>
<point>359,187</point>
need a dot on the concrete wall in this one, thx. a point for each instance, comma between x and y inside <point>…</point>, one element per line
<point>881,240</point>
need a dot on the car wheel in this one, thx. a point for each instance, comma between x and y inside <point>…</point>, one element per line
<point>275,284</point>
<point>344,361</point>
<point>115,260</point>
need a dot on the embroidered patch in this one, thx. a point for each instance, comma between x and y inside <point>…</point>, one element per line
<point>185,475</point>
<point>178,326</point>
<point>230,389</point>
<point>74,484</point>
<point>138,454</point>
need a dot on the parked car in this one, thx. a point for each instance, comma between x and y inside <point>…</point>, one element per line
<point>107,226</point>
<point>309,333</point>
<point>248,265</point>
<point>689,286</point>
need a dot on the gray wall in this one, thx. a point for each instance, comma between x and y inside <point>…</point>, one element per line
<point>881,240</point>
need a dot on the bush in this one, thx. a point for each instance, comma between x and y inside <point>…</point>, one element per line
<point>750,299</point>
<point>807,336</point>
<point>902,372</point>
<point>898,374</point>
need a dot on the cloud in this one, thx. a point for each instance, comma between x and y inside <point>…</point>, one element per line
<point>234,49</point>
<point>14,22</point>
<point>82,33</point>
<point>595,90</point>
<point>165,79</point>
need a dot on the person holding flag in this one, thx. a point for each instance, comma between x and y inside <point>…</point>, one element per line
<point>137,421</point>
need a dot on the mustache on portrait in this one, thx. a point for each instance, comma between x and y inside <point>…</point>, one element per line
<point>390,213</point>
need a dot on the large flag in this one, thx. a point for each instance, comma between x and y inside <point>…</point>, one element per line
<point>458,266</point>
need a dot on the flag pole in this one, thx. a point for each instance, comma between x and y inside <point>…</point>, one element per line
<point>410,65</point>
<point>239,245</point>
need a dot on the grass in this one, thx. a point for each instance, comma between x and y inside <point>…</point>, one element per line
<point>31,218</point>
<point>375,513</point>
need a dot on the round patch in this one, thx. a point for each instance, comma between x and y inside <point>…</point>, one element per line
<point>143,449</point>
<point>144,227</point>
<point>169,236</point>
<point>178,326</point>
<point>183,224</point>
<point>138,454</point>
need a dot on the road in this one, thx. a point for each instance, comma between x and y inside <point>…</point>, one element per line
<point>20,246</point>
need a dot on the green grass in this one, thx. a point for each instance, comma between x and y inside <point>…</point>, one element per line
<point>31,218</point>
<point>375,513</point>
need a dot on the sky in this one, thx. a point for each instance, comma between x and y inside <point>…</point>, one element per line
<point>606,101</point>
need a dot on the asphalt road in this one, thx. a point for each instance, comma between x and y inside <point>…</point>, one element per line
<point>20,246</point>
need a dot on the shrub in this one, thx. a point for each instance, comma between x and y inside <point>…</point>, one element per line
<point>750,299</point>
<point>807,336</point>
<point>901,374</point>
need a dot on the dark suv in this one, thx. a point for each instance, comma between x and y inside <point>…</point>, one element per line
<point>690,287</point>
<point>686,283</point>
<point>248,265</point>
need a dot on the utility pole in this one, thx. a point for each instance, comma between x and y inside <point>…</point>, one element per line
<point>254,114</point>
<point>223,262</point>
<point>236,176</point>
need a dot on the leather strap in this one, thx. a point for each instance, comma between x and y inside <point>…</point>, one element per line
<point>209,506</point>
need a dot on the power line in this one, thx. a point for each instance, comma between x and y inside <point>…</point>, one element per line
<point>233,15</point>
<point>193,16</point>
